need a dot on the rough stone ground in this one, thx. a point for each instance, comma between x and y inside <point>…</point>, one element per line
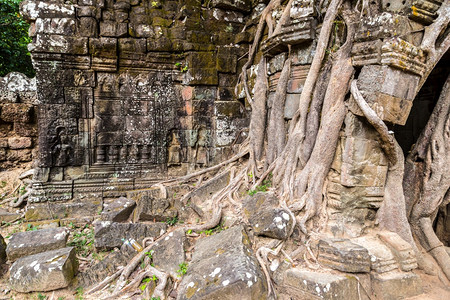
<point>433,288</point>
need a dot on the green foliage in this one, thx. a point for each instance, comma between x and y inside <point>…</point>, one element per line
<point>41,297</point>
<point>213,230</point>
<point>31,227</point>
<point>14,55</point>
<point>83,240</point>
<point>172,221</point>
<point>155,298</point>
<point>263,187</point>
<point>183,269</point>
<point>79,293</point>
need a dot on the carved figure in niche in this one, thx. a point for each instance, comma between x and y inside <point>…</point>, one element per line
<point>201,153</point>
<point>174,150</point>
<point>133,155</point>
<point>62,151</point>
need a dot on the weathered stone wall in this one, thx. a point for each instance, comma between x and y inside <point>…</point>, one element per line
<point>133,89</point>
<point>18,122</point>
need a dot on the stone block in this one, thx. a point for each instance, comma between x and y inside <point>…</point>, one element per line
<point>109,235</point>
<point>231,109</point>
<point>130,46</point>
<point>32,242</point>
<point>25,129</point>
<point>401,249</point>
<point>88,27</point>
<point>63,26</point>
<point>19,142</point>
<point>6,216</point>
<point>58,210</point>
<point>17,112</point>
<point>169,253</point>
<point>313,285</point>
<point>226,60</point>
<point>223,267</point>
<point>381,258</point>
<point>103,47</point>
<point>343,255</point>
<point>19,155</point>
<point>272,222</point>
<point>117,210</point>
<point>102,269</point>
<point>291,105</point>
<point>396,285</point>
<point>44,272</point>
<point>2,250</point>
<point>31,10</point>
<point>60,44</point>
<point>113,29</point>
<point>244,6</point>
<point>153,209</point>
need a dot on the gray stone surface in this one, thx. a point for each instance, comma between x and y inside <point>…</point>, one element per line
<point>275,223</point>
<point>149,208</point>
<point>102,269</point>
<point>32,242</point>
<point>6,216</point>
<point>381,258</point>
<point>304,284</point>
<point>223,267</point>
<point>44,272</point>
<point>169,253</point>
<point>396,285</point>
<point>262,212</point>
<point>117,210</point>
<point>401,249</point>
<point>343,255</point>
<point>109,235</point>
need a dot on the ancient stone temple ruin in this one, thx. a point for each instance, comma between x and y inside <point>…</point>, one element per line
<point>132,95</point>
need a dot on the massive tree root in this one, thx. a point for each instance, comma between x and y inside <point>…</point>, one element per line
<point>428,179</point>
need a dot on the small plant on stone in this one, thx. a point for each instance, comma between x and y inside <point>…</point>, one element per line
<point>83,240</point>
<point>31,227</point>
<point>172,221</point>
<point>79,293</point>
<point>183,269</point>
<point>41,297</point>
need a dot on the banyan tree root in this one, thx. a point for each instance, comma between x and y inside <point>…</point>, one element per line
<point>392,213</point>
<point>428,179</point>
<point>261,256</point>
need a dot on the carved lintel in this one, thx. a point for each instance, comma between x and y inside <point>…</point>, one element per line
<point>393,52</point>
<point>424,11</point>
<point>292,34</point>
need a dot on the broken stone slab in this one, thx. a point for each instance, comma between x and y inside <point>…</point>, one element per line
<point>169,253</point>
<point>343,255</point>
<point>401,249</point>
<point>150,208</point>
<point>265,217</point>
<point>396,285</point>
<point>32,242</point>
<point>275,223</point>
<point>223,267</point>
<point>2,250</point>
<point>381,258</point>
<point>6,216</point>
<point>109,235</point>
<point>117,210</point>
<point>44,272</point>
<point>104,268</point>
<point>306,284</point>
<point>258,202</point>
